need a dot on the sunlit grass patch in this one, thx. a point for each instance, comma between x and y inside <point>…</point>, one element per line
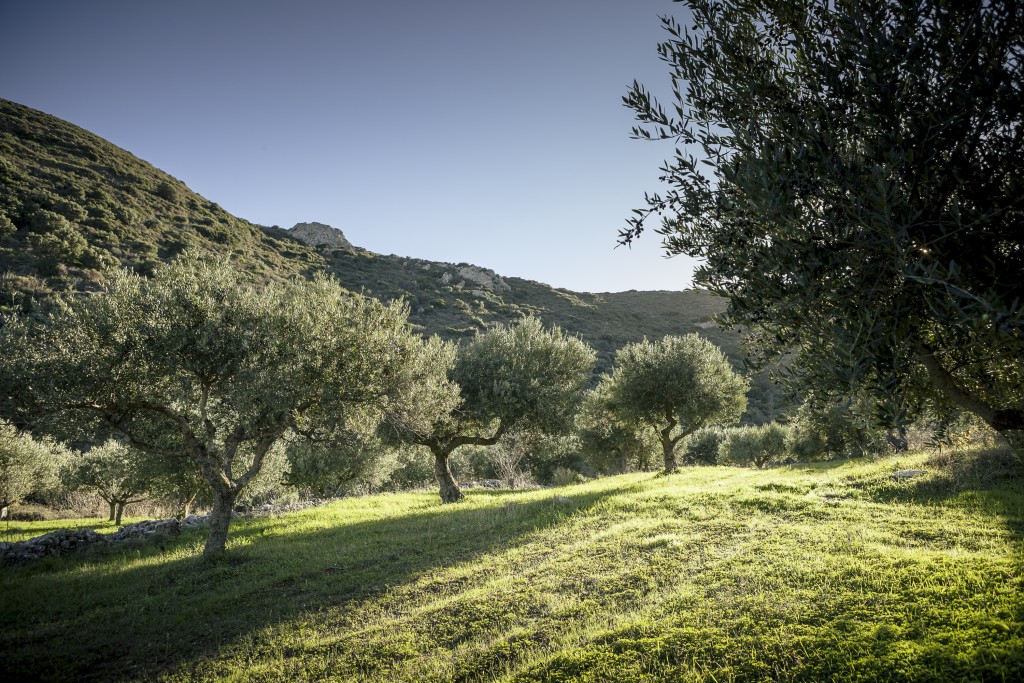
<point>832,571</point>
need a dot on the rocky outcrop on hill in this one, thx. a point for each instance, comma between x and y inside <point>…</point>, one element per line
<point>320,236</point>
<point>484,277</point>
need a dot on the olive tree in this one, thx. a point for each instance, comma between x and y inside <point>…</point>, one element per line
<point>850,175</point>
<point>113,471</point>
<point>331,469</point>
<point>677,385</point>
<point>511,377</point>
<point>608,441</point>
<point>26,464</point>
<point>199,365</point>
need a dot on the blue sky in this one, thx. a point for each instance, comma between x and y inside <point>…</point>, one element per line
<point>461,130</point>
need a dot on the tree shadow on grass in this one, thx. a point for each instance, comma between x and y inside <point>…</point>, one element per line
<point>990,480</point>
<point>128,614</point>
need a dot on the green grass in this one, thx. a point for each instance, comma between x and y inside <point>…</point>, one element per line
<point>14,531</point>
<point>811,573</point>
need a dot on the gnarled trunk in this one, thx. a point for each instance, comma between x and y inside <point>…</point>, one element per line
<point>120,511</point>
<point>897,438</point>
<point>450,491</point>
<point>668,447</point>
<point>220,518</point>
<point>1009,423</point>
<point>113,511</point>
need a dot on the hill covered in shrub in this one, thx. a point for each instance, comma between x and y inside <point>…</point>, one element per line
<point>73,205</point>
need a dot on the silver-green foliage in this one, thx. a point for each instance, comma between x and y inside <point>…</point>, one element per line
<point>850,176</point>
<point>27,465</point>
<point>198,364</point>
<point>757,445</point>
<point>677,385</point>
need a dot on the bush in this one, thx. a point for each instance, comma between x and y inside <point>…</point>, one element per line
<point>7,228</point>
<point>345,467</point>
<point>702,447</point>
<point>167,191</point>
<point>564,476</point>
<point>413,468</point>
<point>759,446</point>
<point>821,431</point>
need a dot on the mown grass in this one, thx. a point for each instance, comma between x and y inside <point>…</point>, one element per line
<point>811,573</point>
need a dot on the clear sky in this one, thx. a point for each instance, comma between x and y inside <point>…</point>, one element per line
<point>453,130</point>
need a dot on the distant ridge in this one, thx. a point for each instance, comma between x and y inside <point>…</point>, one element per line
<point>73,205</point>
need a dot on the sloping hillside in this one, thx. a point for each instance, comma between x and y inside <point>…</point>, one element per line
<point>73,205</point>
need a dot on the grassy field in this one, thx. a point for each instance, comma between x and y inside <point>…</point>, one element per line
<point>819,572</point>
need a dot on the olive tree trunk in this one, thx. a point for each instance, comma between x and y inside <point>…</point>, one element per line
<point>113,511</point>
<point>668,442</point>
<point>120,511</point>
<point>220,519</point>
<point>185,504</point>
<point>450,491</point>
<point>1008,423</point>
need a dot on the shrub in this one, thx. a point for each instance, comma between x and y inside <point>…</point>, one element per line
<point>820,431</point>
<point>564,476</point>
<point>702,447</point>
<point>167,191</point>
<point>7,228</point>
<point>758,446</point>
<point>413,469</point>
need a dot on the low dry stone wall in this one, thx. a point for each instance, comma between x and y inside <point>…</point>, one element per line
<point>65,541</point>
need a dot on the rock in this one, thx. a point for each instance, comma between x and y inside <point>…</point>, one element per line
<point>484,277</point>
<point>907,474</point>
<point>320,236</point>
<point>477,292</point>
<point>57,542</point>
<point>170,527</point>
<point>446,278</point>
<point>64,541</point>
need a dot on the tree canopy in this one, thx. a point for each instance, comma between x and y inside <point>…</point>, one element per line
<point>519,376</point>
<point>115,472</point>
<point>26,464</point>
<point>677,385</point>
<point>851,174</point>
<point>197,364</point>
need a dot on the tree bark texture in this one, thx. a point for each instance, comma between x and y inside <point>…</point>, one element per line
<point>113,510</point>
<point>450,491</point>
<point>1009,423</point>
<point>120,511</point>
<point>668,446</point>
<point>220,519</point>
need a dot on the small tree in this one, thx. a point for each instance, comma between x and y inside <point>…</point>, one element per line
<point>113,471</point>
<point>758,445</point>
<point>518,376</point>
<point>196,364</point>
<point>677,385</point>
